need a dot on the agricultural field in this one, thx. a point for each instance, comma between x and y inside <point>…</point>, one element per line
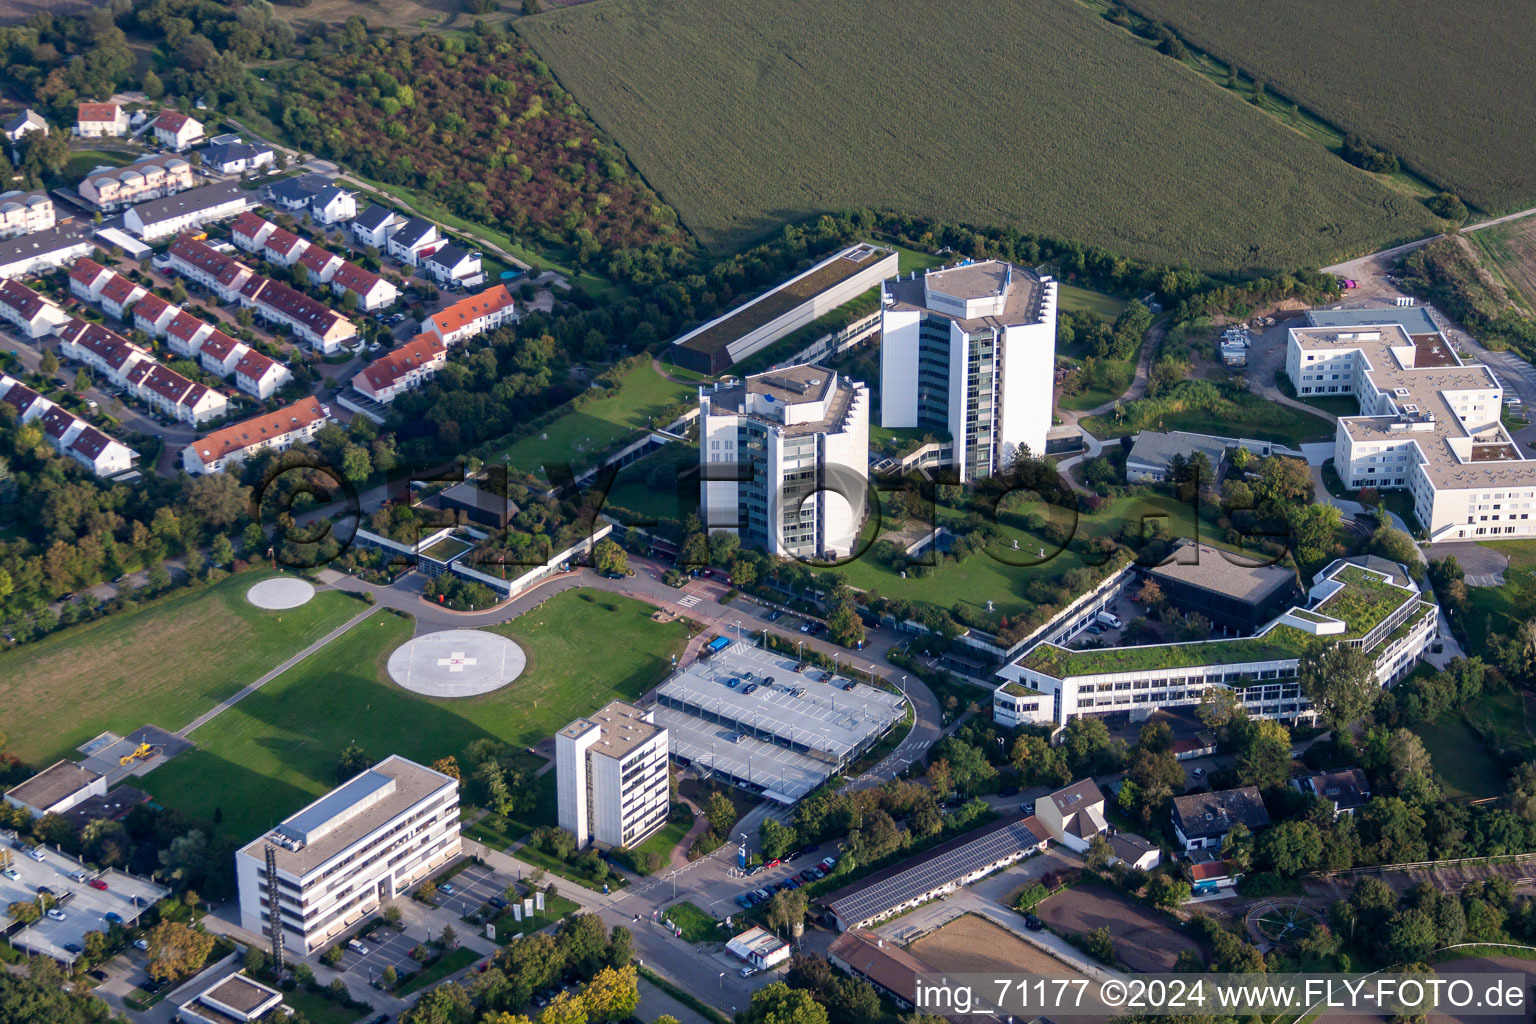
<point>1439,94</point>
<point>277,749</point>
<point>1508,252</point>
<point>406,16</point>
<point>164,665</point>
<point>1144,939</point>
<point>590,429</point>
<point>1061,124</point>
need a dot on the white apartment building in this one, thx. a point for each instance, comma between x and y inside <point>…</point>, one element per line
<point>611,776</point>
<point>474,315</point>
<point>149,177</point>
<point>1348,603</point>
<point>340,859</point>
<point>42,251</point>
<point>784,460</point>
<point>22,213</point>
<point>1429,423</point>
<point>185,211</point>
<point>98,120</point>
<point>280,430</point>
<point>402,369</point>
<point>969,352</point>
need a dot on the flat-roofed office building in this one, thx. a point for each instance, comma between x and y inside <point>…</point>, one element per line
<point>611,776</point>
<point>340,859</point>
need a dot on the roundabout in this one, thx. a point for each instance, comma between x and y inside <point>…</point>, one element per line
<point>456,663</point>
<point>281,593</point>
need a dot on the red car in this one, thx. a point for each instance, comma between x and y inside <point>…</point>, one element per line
<point>97,883</point>
<point>773,863</point>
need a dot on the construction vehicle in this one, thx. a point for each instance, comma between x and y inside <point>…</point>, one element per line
<point>142,753</point>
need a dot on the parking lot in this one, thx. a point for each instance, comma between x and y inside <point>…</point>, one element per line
<point>387,948</point>
<point>84,908</point>
<point>472,887</point>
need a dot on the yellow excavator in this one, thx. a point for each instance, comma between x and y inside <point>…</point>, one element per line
<point>142,753</point>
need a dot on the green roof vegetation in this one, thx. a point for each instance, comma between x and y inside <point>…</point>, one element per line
<point>446,548</point>
<point>1302,613</point>
<point>1363,603</point>
<point>1017,689</point>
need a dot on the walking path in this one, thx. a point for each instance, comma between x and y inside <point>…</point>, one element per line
<point>1138,386</point>
<point>229,702</point>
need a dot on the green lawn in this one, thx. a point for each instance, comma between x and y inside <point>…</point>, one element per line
<point>555,908</point>
<point>999,574</point>
<point>83,161</point>
<point>593,427</point>
<point>317,1009</point>
<point>164,665</point>
<point>276,750</point>
<point>1501,717</point>
<point>697,926</point>
<point>672,833</point>
<point>632,492</point>
<point>1493,610</point>
<point>1081,300</point>
<point>908,260</point>
<point>451,963</point>
<point>1464,766</point>
<point>1248,415</point>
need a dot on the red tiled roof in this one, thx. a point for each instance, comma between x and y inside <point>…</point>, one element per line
<point>355,279</point>
<point>1209,869</point>
<point>253,365</point>
<point>218,345</point>
<point>317,259</point>
<point>20,397</point>
<point>184,326</point>
<point>224,269</point>
<point>97,112</point>
<point>85,270</point>
<point>56,422</point>
<point>112,347</point>
<point>173,387</point>
<point>240,436</point>
<point>22,299</point>
<point>90,442</point>
<point>248,224</point>
<point>171,120</point>
<point>392,366</point>
<point>151,307</point>
<point>118,289</point>
<point>294,303</point>
<point>466,311</point>
<point>282,242</point>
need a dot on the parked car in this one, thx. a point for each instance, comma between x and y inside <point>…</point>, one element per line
<point>10,873</point>
<point>98,974</point>
<point>829,862</point>
<point>805,627</point>
<point>357,947</point>
<point>1033,923</point>
<point>97,883</point>
<point>497,902</point>
<point>809,875</point>
<point>140,944</point>
<point>446,889</point>
<point>113,917</point>
<point>36,853</point>
<point>745,903</point>
<point>747,972</point>
<point>775,615</point>
<point>775,862</point>
<point>55,914</point>
<point>72,947</point>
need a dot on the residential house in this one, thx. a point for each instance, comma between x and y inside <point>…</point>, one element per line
<point>294,194</point>
<point>236,156</point>
<point>18,125</point>
<point>250,230</point>
<point>372,227</point>
<point>372,291</point>
<point>103,350</point>
<point>100,120</point>
<point>202,263</point>
<point>44,250</point>
<point>408,366</point>
<point>185,334</point>
<point>257,375</point>
<point>1073,815</point>
<point>1201,821</point>
<point>332,205</point>
<point>451,267</point>
<point>414,240</point>
<point>77,439</point>
<point>320,264</point>
<point>149,177</point>
<point>119,294</point>
<point>161,218</point>
<point>176,131</point>
<point>174,395</point>
<point>86,280</point>
<point>219,353</point>
<point>1347,789</point>
<point>278,430</point>
<point>1152,454</point>
<point>152,314</point>
<point>22,213</point>
<point>30,313</point>
<point>1209,876</point>
<point>474,315</point>
<point>29,405</point>
<point>1133,851</point>
<point>283,247</point>
<point>323,327</point>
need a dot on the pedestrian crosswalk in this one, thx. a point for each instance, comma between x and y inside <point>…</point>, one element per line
<point>688,602</point>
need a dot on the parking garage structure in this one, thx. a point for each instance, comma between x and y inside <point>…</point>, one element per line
<point>753,718</point>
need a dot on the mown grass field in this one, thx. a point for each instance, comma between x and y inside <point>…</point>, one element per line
<point>1059,123</point>
<point>1464,766</point>
<point>277,749</point>
<point>590,429</point>
<point>1442,94</point>
<point>162,665</point>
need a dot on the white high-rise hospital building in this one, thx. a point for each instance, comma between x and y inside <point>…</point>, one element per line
<point>611,776</point>
<point>970,351</point>
<point>1429,423</point>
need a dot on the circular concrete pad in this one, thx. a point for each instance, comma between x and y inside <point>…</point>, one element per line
<point>280,593</point>
<point>456,663</point>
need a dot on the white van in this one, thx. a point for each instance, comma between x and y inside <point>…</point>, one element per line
<point>357,947</point>
<point>1110,619</point>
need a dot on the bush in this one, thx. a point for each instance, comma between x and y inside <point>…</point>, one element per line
<point>1030,896</point>
<point>1447,205</point>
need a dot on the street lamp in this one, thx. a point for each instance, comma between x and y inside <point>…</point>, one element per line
<point>722,988</point>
